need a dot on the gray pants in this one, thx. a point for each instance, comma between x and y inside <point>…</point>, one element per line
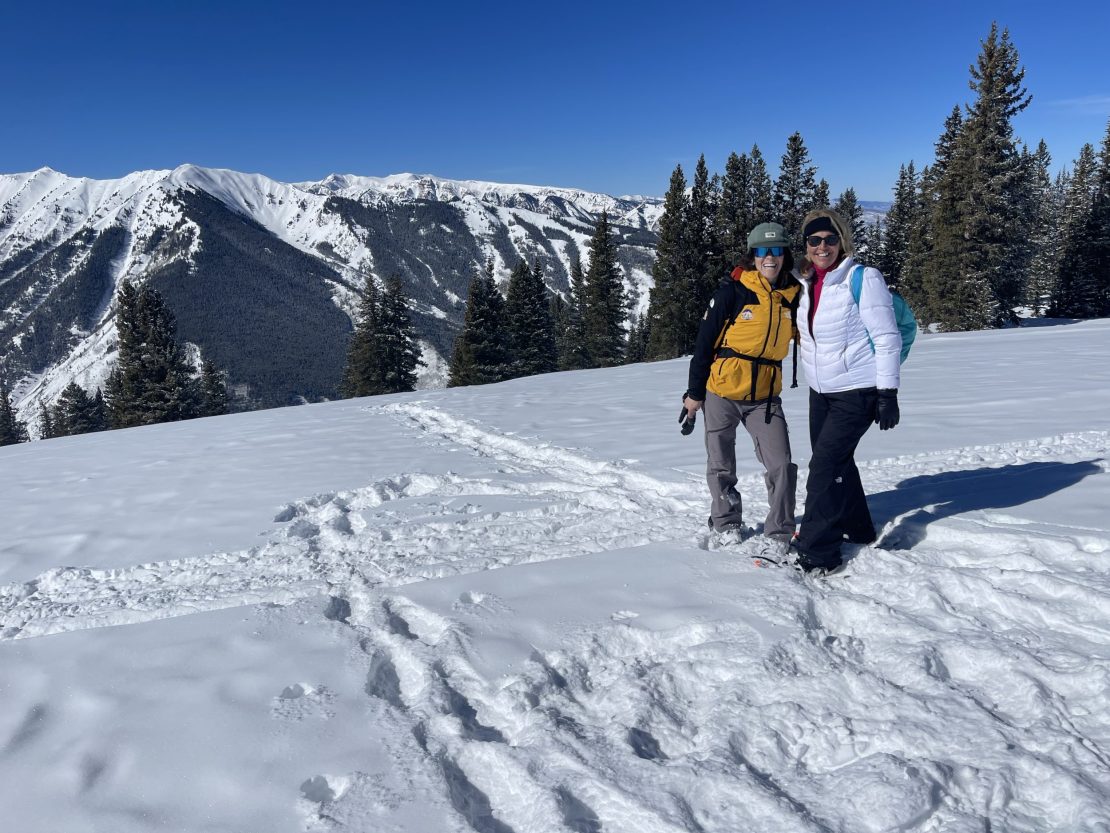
<point>772,449</point>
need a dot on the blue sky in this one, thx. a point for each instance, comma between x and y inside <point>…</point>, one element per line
<point>602,96</point>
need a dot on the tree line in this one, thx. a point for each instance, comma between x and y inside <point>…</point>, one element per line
<point>530,330</point>
<point>975,240</point>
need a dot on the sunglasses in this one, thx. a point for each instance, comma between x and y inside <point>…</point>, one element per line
<point>829,240</point>
<point>773,251</point>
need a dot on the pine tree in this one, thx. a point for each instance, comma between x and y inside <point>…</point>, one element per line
<point>796,187</point>
<point>12,429</point>
<point>1072,293</point>
<point>213,394</point>
<point>151,381</point>
<point>47,429</point>
<point>638,337</point>
<point>915,281</point>
<point>891,258</point>
<point>821,196</point>
<point>1044,240</point>
<point>363,375</point>
<point>667,307</point>
<point>606,307</point>
<point>734,219</point>
<point>529,327</point>
<point>78,413</point>
<point>701,276</point>
<point>848,207</point>
<point>397,346</point>
<point>1095,257</point>
<point>974,273</point>
<point>571,340</point>
<point>481,353</point>
<point>761,203</point>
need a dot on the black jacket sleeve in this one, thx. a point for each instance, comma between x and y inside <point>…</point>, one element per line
<point>713,323</point>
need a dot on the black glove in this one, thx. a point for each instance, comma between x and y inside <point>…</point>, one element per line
<point>886,409</point>
<point>687,419</point>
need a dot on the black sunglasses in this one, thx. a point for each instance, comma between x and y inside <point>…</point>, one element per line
<point>829,240</point>
<point>773,251</point>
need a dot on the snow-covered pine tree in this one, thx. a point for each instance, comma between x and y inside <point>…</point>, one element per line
<point>795,188</point>
<point>481,355</point>
<point>666,307</point>
<point>638,335</point>
<point>398,350</point>
<point>1044,224</point>
<point>1096,249</point>
<point>606,307</point>
<point>12,429</point>
<point>529,328</point>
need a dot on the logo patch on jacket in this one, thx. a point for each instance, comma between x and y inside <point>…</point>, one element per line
<point>746,315</point>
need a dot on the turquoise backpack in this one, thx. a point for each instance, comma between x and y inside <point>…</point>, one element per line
<point>903,315</point>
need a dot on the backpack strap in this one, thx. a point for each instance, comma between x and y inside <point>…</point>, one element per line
<point>855,283</point>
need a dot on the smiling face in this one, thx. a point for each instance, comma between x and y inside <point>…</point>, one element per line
<point>825,253</point>
<point>768,265</point>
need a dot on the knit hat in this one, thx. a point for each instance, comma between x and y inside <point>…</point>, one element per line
<point>768,234</point>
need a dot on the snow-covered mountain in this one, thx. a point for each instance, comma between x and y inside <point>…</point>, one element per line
<point>263,275</point>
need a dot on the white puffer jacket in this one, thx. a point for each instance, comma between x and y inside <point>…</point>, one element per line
<point>836,354</point>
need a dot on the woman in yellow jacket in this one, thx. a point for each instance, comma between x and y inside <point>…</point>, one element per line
<point>736,378</point>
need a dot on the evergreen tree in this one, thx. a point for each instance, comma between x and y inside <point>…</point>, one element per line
<point>1044,239</point>
<point>667,307</point>
<point>364,373</point>
<point>150,382</point>
<point>397,346</point>
<point>914,281</point>
<point>848,207</point>
<point>529,328</point>
<point>734,219</point>
<point>213,394</point>
<point>821,196</point>
<point>571,340</point>
<point>701,276</point>
<point>893,255</point>
<point>606,307</point>
<point>1095,258</point>
<point>47,429</point>
<point>795,188</point>
<point>974,273</point>
<point>638,337</point>
<point>12,429</point>
<point>1079,288</point>
<point>481,353</point>
<point>761,203</point>
<point>78,413</point>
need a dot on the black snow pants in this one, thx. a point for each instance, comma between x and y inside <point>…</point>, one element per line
<point>835,504</point>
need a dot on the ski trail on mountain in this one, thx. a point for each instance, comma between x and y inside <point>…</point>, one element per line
<point>545,502</point>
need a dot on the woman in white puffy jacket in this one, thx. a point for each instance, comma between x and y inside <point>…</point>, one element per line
<point>850,356</point>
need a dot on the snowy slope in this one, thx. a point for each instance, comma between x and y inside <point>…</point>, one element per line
<point>471,610</point>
